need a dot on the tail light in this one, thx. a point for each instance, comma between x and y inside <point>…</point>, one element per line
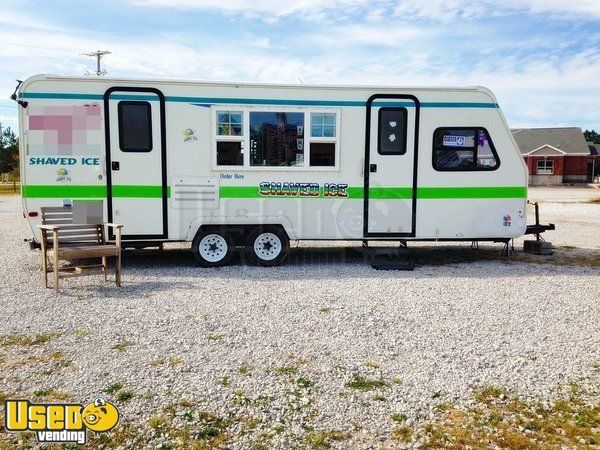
<point>32,214</point>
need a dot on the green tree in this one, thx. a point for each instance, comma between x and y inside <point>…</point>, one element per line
<point>9,153</point>
<point>592,136</point>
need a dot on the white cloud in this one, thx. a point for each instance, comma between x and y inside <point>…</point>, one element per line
<point>450,10</point>
<point>335,10</point>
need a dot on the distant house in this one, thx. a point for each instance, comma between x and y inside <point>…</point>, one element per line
<point>555,155</point>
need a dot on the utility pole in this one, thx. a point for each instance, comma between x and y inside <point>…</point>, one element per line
<point>98,54</point>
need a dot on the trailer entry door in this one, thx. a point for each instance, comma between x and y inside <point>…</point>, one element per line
<point>136,161</point>
<point>390,192</point>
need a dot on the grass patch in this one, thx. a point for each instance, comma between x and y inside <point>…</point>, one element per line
<point>214,337</point>
<point>54,357</point>
<point>366,384</point>
<point>81,332</point>
<point>174,361</point>
<point>398,417</point>
<point>122,346</point>
<point>124,396</point>
<point>488,393</point>
<point>285,370</point>
<point>244,369</point>
<point>304,382</point>
<point>500,420</point>
<point>403,433</point>
<point>112,388</point>
<point>325,310</point>
<point>25,340</point>
<point>52,394</point>
<point>322,439</point>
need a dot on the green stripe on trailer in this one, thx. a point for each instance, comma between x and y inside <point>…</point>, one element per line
<point>133,191</point>
<point>40,191</point>
<point>390,193</point>
<point>472,192</point>
<point>241,192</point>
<point>78,191</point>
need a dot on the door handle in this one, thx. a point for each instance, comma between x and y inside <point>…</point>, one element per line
<point>115,165</point>
<point>373,168</point>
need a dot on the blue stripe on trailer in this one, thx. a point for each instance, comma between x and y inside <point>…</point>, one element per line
<point>252,101</point>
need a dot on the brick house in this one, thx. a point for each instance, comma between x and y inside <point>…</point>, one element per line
<point>555,155</point>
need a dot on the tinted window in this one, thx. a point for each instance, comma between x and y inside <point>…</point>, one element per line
<point>276,139</point>
<point>322,154</point>
<point>463,149</point>
<point>135,127</point>
<point>230,154</point>
<point>392,131</point>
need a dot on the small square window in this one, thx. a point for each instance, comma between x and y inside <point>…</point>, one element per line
<point>230,123</point>
<point>322,125</point>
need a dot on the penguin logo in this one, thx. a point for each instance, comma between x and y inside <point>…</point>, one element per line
<point>100,415</point>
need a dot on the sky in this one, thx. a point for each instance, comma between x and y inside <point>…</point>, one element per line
<point>540,57</point>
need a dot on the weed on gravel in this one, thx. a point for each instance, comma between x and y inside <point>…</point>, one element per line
<point>25,340</point>
<point>501,420</point>
<point>366,384</point>
<point>122,346</point>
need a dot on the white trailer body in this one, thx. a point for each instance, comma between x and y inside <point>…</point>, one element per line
<point>165,158</point>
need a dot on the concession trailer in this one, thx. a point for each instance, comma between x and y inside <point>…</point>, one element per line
<point>225,165</point>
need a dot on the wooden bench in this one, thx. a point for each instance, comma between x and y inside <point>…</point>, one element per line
<point>68,241</point>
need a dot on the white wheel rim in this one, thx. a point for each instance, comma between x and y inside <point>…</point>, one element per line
<point>267,246</point>
<point>213,247</point>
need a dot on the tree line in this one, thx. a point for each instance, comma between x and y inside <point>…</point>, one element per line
<point>9,154</point>
<point>592,136</point>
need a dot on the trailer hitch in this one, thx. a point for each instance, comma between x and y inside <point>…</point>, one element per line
<point>538,228</point>
<point>14,97</point>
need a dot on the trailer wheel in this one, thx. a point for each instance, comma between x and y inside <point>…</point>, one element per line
<point>267,246</point>
<point>212,248</point>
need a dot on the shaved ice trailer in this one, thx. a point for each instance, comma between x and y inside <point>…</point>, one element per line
<point>225,165</point>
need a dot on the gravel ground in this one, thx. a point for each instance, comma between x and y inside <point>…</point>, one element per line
<point>279,345</point>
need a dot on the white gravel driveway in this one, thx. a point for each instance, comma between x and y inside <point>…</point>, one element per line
<point>280,345</point>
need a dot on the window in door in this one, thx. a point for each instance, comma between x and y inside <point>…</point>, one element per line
<point>135,126</point>
<point>392,131</point>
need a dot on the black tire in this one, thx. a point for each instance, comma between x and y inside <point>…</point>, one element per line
<point>215,242</point>
<point>267,255</point>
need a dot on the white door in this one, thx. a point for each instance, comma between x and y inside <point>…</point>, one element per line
<point>136,162</point>
<point>391,165</point>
